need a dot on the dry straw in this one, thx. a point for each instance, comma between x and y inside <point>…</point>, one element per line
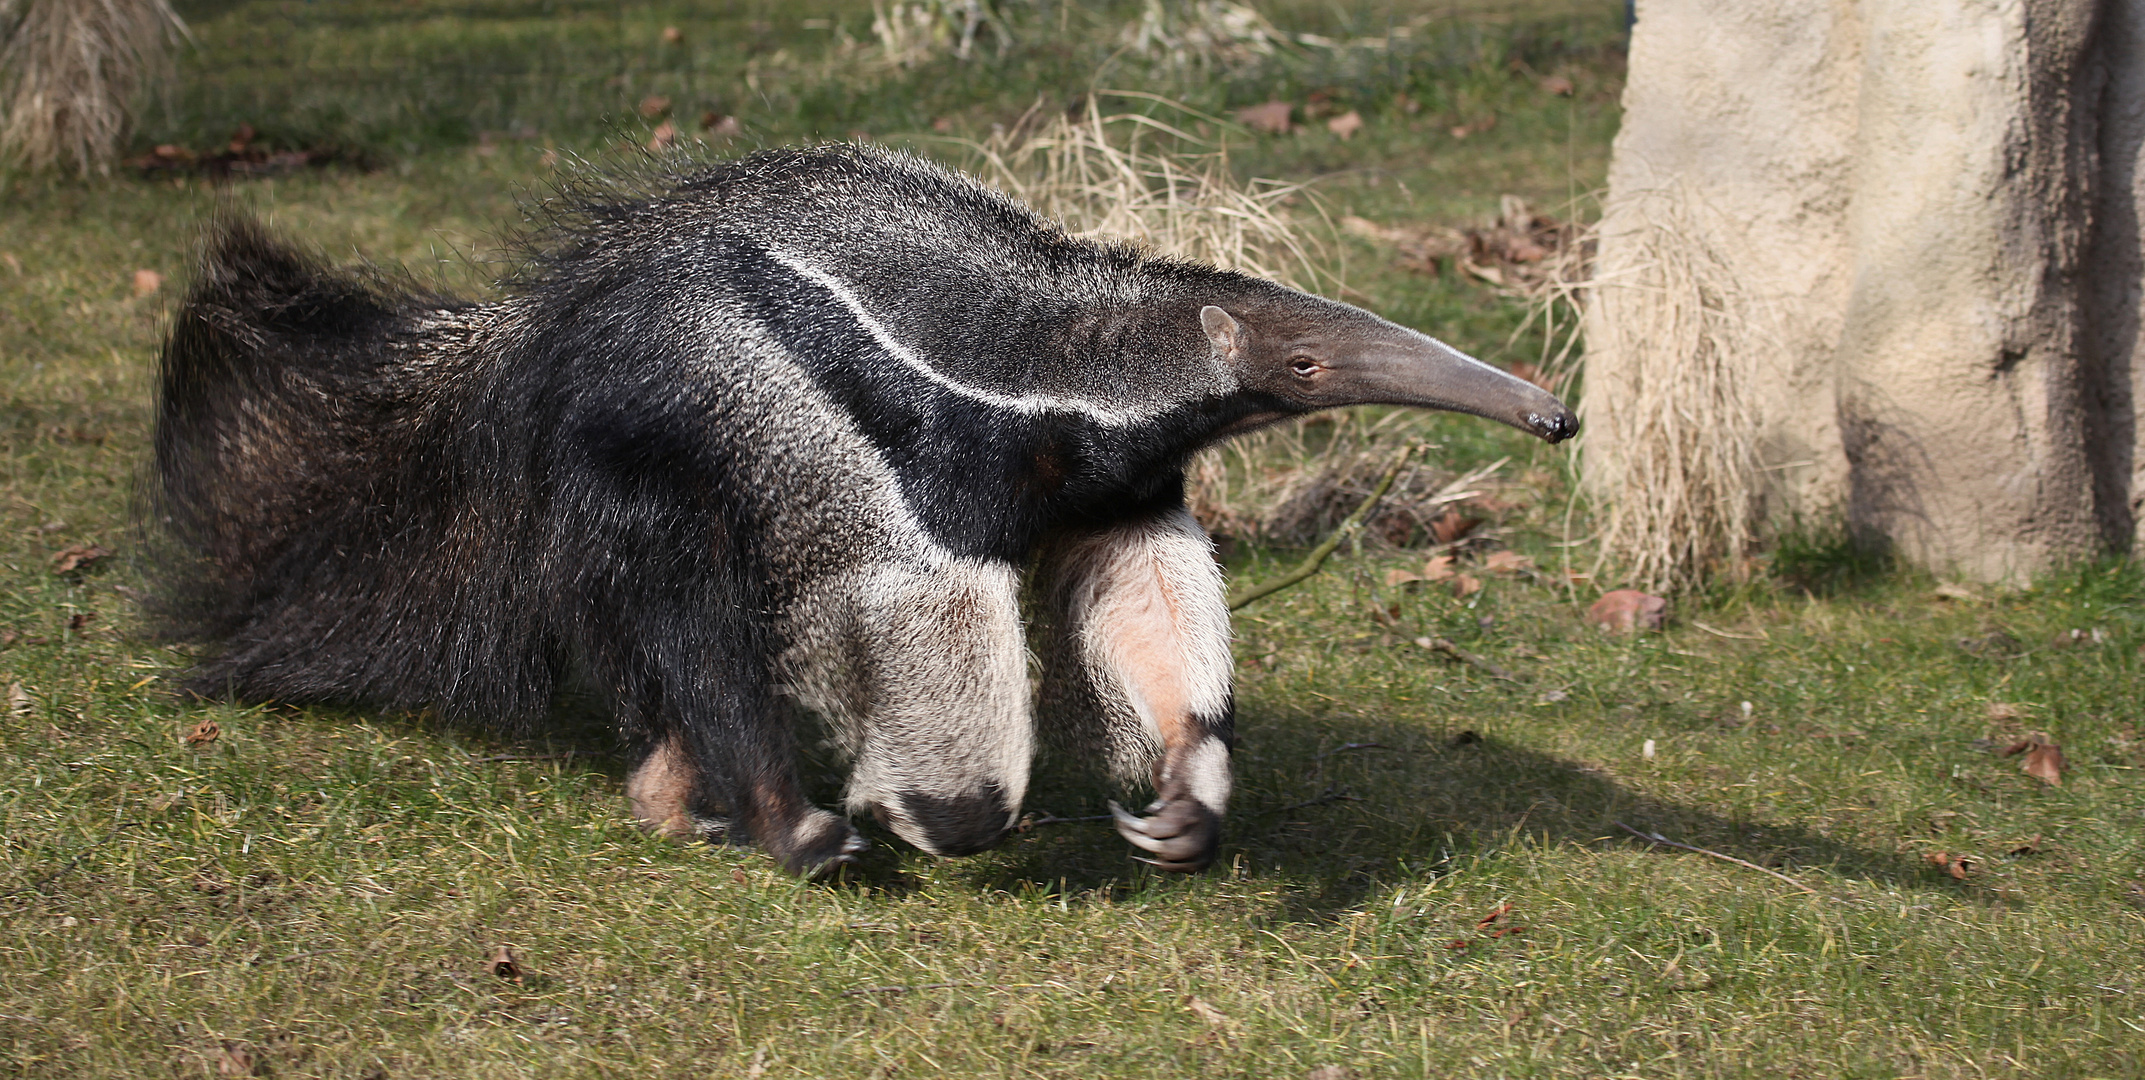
<point>1671,335</point>
<point>69,71</point>
<point>1131,176</point>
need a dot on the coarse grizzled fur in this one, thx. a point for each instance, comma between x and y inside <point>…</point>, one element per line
<point>783,431</point>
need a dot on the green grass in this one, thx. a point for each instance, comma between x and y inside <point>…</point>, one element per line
<point>319,890</point>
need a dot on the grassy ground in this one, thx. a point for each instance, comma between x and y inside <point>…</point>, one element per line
<point>316,893</point>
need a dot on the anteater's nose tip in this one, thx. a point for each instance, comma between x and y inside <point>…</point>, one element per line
<point>1555,427</point>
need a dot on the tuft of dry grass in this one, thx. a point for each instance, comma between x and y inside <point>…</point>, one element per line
<point>1292,485</point>
<point>1202,35</point>
<point>913,32</point>
<point>1668,444</point>
<point>69,71</point>
<point>1130,176</point>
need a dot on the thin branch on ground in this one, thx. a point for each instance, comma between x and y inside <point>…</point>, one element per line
<point>1445,645</point>
<point>863,990</point>
<point>39,884</point>
<point>1027,823</point>
<point>1330,796</point>
<point>1317,558</point>
<point>1657,838</point>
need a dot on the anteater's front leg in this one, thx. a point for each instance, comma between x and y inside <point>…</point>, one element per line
<point>1138,662</point>
<point>938,712</point>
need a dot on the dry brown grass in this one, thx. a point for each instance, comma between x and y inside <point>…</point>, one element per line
<point>69,72</point>
<point>1294,484</point>
<point>913,32</point>
<point>1133,177</point>
<point>1668,444</point>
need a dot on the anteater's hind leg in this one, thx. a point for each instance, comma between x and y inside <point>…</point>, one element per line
<point>939,719</point>
<point>1136,664</point>
<point>717,749</point>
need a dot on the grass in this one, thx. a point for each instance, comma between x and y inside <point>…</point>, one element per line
<point>316,893</point>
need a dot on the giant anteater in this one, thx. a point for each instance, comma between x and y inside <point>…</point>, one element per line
<point>783,431</point>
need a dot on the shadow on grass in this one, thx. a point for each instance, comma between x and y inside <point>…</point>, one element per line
<point>1346,813</point>
<point>1340,807</point>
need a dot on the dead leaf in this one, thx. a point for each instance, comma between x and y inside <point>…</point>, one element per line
<point>203,733</point>
<point>80,619</point>
<point>1502,931</point>
<point>503,964</point>
<point>1496,913</point>
<point>1206,1012</point>
<point>2030,847</point>
<point>235,1060</point>
<point>739,876</point>
<point>9,637</point>
<point>1952,590</point>
<point>1627,611</point>
<point>14,265</point>
<point>665,134</point>
<point>1558,85</point>
<point>719,126</point>
<point>1346,124</point>
<point>1457,943</point>
<point>18,700</point>
<point>1508,562</point>
<point>1271,118</point>
<point>78,557</point>
<point>673,36</point>
<point>1327,1072</point>
<point>1393,578</point>
<point>2044,759</point>
<point>655,105</point>
<point>1438,569</point>
<point>758,1068</point>
<point>1465,585</point>
<point>147,282</point>
<point>2000,711</point>
<point>1956,865</point>
<point>1452,525</point>
<point>1371,230</point>
<point>1528,371</point>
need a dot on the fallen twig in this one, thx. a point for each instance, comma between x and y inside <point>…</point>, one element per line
<point>1657,838</point>
<point>1444,645</point>
<point>1345,747</point>
<point>1317,558</point>
<point>1027,823</point>
<point>39,884</point>
<point>1331,796</point>
<point>863,990</point>
<point>1761,635</point>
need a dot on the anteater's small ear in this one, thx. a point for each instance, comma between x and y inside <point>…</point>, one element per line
<point>1223,331</point>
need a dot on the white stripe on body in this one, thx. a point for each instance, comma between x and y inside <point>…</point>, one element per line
<point>1026,404</point>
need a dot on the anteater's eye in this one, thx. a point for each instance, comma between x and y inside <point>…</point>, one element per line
<point>1304,367</point>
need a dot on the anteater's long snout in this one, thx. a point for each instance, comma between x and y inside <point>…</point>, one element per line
<point>1407,368</point>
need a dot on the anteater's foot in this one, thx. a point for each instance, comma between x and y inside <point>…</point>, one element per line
<point>1181,833</point>
<point>819,846</point>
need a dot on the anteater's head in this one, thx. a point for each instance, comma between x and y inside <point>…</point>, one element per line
<point>1292,353</point>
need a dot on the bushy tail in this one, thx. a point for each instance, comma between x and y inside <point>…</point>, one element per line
<point>261,405</point>
<point>288,430</point>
